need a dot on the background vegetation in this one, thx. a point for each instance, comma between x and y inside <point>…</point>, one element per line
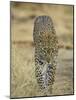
<point>23,82</point>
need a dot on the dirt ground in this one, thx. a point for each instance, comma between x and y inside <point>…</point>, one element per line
<point>23,81</point>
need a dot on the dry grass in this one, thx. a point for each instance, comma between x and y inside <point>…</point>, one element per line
<point>23,81</point>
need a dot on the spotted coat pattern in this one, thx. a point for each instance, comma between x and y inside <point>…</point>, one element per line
<point>46,51</point>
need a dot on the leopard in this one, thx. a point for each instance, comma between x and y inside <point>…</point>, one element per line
<point>46,52</point>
